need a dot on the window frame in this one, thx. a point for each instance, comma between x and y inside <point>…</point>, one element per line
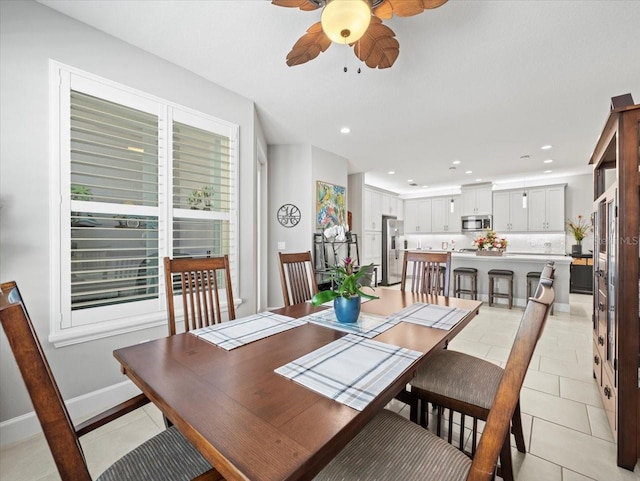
<point>137,315</point>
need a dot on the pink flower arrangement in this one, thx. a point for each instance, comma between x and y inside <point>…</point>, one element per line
<point>489,241</point>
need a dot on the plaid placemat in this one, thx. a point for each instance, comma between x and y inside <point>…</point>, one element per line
<point>239,332</point>
<point>431,315</point>
<point>367,325</point>
<point>352,370</point>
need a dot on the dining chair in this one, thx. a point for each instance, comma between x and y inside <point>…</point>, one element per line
<point>167,455</point>
<point>466,384</point>
<point>392,447</point>
<point>297,277</point>
<point>200,280</point>
<point>430,272</point>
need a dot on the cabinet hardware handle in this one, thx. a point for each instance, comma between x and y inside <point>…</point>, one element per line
<point>596,360</point>
<point>601,340</point>
<point>607,392</point>
<point>600,306</point>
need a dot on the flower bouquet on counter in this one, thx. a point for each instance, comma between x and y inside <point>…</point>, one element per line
<point>579,228</point>
<point>490,243</point>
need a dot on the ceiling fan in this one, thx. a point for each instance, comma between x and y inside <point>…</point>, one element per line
<point>357,23</point>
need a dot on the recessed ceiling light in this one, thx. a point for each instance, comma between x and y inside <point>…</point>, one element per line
<point>478,180</point>
<point>345,130</point>
<point>548,171</point>
<point>410,180</point>
<point>468,172</point>
<point>455,162</point>
<point>391,172</point>
<point>545,147</point>
<point>548,161</point>
<point>425,186</point>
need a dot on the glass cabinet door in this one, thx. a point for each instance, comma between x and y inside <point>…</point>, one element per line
<point>612,234</point>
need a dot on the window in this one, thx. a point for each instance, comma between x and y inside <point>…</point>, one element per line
<point>139,179</point>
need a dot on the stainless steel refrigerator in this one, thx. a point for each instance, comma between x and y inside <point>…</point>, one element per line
<point>392,252</point>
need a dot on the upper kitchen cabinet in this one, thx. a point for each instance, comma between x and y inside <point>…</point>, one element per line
<point>372,210</point>
<point>476,200</point>
<point>417,216</point>
<point>377,204</point>
<point>509,215</point>
<point>442,217</point>
<point>546,208</point>
<point>390,205</point>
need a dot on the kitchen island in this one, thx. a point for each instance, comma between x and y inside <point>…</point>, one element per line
<point>520,264</point>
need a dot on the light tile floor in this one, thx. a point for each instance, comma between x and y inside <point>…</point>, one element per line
<point>566,430</point>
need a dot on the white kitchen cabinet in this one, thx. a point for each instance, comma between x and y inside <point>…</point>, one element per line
<point>546,208</point>
<point>417,216</point>
<point>389,205</point>
<point>372,210</point>
<point>372,248</point>
<point>476,200</point>
<point>508,213</point>
<point>442,219</point>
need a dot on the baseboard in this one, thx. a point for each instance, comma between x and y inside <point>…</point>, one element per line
<point>81,407</point>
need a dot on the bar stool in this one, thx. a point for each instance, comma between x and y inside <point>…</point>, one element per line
<point>533,278</point>
<point>472,274</point>
<point>495,275</point>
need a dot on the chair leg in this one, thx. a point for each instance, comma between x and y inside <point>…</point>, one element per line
<point>506,466</point>
<point>413,409</point>
<point>516,429</point>
<point>490,291</point>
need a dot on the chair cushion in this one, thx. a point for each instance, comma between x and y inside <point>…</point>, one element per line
<point>459,376</point>
<point>165,457</point>
<point>392,447</point>
<point>465,270</point>
<point>500,272</point>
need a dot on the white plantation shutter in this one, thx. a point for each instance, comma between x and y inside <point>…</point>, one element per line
<point>114,183</point>
<point>204,192</point>
<point>140,179</point>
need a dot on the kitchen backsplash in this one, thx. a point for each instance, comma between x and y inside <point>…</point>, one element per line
<point>547,243</point>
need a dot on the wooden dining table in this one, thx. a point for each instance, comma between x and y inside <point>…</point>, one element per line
<point>251,423</point>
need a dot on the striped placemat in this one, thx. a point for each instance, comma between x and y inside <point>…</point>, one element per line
<point>352,370</point>
<point>239,332</point>
<point>431,315</point>
<point>367,325</point>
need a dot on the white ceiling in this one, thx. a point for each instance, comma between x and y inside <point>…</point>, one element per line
<point>483,82</point>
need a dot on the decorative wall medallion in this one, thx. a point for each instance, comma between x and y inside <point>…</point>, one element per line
<point>288,215</point>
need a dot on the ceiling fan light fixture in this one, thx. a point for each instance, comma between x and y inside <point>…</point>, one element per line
<point>346,21</point>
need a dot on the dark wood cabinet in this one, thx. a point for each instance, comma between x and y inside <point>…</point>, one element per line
<point>616,316</point>
<point>581,279</point>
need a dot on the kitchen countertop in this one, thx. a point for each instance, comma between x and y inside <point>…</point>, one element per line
<point>520,256</point>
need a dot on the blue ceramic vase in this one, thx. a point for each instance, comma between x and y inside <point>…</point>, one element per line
<point>347,310</point>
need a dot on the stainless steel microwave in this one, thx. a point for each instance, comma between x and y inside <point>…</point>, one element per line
<point>473,223</point>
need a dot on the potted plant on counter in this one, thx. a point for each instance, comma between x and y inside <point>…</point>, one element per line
<point>579,229</point>
<point>346,293</point>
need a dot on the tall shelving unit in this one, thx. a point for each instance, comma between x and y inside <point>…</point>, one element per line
<point>616,313</point>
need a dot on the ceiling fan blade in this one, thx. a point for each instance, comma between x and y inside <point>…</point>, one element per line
<point>301,4</point>
<point>405,8</point>
<point>378,47</point>
<point>309,46</point>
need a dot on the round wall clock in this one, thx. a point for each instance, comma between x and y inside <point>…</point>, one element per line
<point>288,215</point>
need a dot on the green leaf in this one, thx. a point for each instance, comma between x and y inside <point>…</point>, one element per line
<point>323,296</point>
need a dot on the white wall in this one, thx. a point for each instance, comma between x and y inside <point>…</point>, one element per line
<point>30,35</point>
<point>293,172</point>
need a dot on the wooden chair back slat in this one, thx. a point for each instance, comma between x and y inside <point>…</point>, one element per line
<point>42,387</point>
<point>297,278</point>
<point>498,422</point>
<point>425,272</point>
<point>201,288</point>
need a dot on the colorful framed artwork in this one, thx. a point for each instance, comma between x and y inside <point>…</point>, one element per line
<point>330,205</point>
